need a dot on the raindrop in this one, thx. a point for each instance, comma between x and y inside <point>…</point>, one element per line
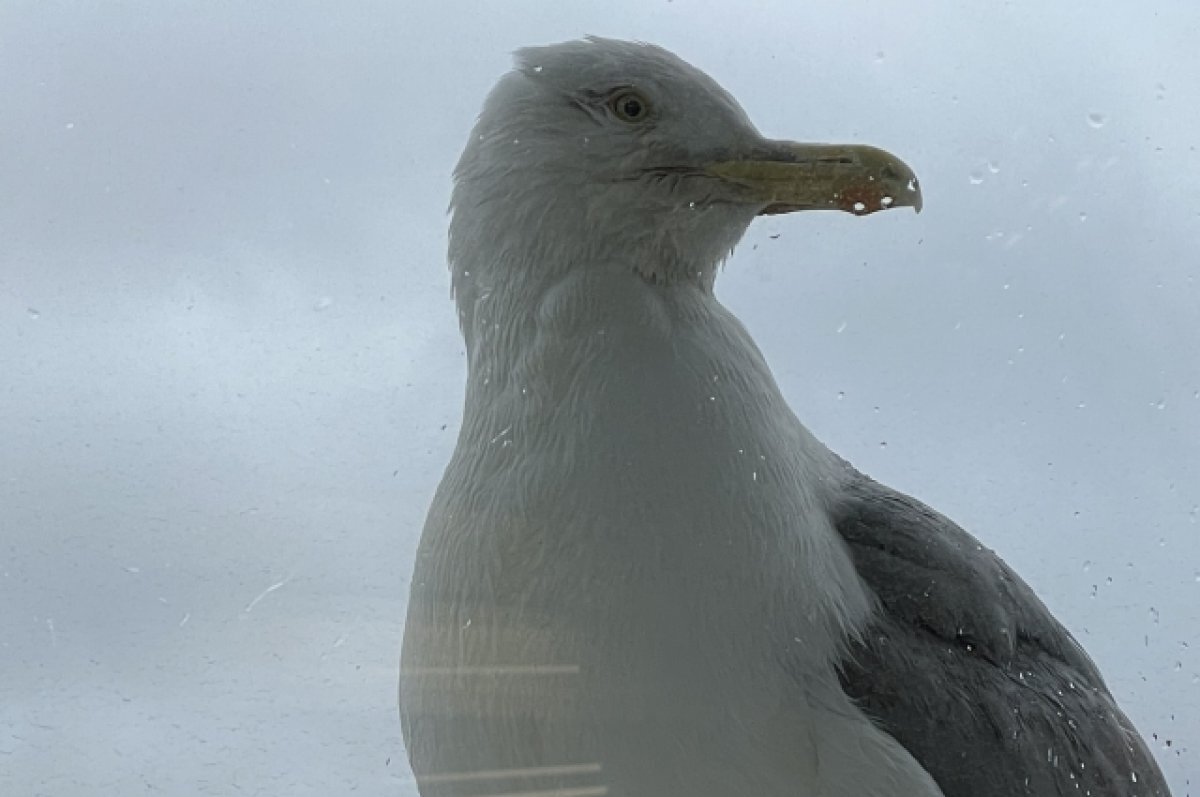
<point>33,312</point>
<point>69,126</point>
<point>1161,404</point>
<point>537,68</point>
<point>1096,120</point>
<point>1081,405</point>
<point>993,167</point>
<point>859,207</point>
<point>879,56</point>
<point>1082,216</point>
<point>842,395</point>
<point>841,327</point>
<point>1160,91</point>
<point>324,303</point>
<point>975,177</point>
<point>1087,565</point>
<point>886,201</point>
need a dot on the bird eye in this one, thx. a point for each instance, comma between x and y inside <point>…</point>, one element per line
<point>629,106</point>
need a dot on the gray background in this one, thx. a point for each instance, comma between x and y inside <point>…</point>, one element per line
<point>231,372</point>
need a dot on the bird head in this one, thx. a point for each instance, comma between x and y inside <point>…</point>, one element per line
<point>605,153</point>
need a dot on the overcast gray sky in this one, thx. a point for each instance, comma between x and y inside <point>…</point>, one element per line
<point>232,372</point>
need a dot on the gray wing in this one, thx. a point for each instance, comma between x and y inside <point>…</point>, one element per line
<point>968,670</point>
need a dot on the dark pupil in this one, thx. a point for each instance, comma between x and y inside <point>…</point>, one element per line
<point>631,107</point>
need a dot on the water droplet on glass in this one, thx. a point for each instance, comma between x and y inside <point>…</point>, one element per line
<point>859,207</point>
<point>33,313</point>
<point>1096,120</point>
<point>322,304</point>
<point>1087,565</point>
<point>1160,91</point>
<point>69,126</point>
<point>975,177</point>
<point>993,167</point>
<point>842,395</point>
<point>841,327</point>
<point>1161,404</point>
<point>879,56</point>
<point>886,201</point>
<point>1082,216</point>
<point>537,68</point>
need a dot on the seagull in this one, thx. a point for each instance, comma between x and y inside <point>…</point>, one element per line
<point>641,575</point>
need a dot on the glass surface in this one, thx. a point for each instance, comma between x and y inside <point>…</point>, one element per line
<point>232,373</point>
